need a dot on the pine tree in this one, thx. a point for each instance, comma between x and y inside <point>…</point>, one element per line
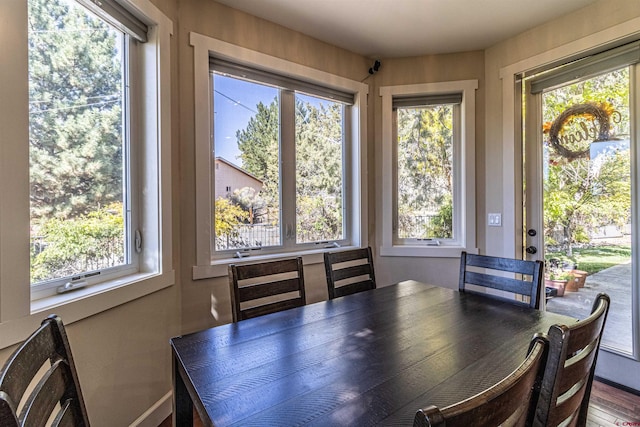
<point>425,180</point>
<point>75,90</point>
<point>318,172</point>
<point>75,141</point>
<point>319,176</point>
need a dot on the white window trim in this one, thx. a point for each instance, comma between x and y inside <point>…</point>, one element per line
<point>19,316</point>
<point>204,47</point>
<point>467,194</point>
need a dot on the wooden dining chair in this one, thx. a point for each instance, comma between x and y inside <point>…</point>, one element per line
<point>511,402</point>
<point>484,271</point>
<point>54,391</point>
<point>349,272</point>
<point>258,289</point>
<point>566,385</point>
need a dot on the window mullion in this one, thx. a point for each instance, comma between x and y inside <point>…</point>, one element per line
<point>288,168</point>
<point>129,116</point>
<point>394,174</point>
<point>347,178</point>
<point>458,214</point>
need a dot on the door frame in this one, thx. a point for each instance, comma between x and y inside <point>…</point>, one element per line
<point>611,366</point>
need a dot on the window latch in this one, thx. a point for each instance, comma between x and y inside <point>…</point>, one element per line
<point>71,286</point>
<point>430,242</point>
<point>76,282</point>
<point>137,241</point>
<point>330,245</point>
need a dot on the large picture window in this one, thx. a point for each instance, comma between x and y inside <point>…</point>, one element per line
<point>86,172</point>
<point>280,160</point>
<point>428,169</point>
<point>79,147</point>
<point>278,163</point>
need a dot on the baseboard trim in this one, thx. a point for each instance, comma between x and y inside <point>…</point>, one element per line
<point>155,415</point>
<point>619,386</point>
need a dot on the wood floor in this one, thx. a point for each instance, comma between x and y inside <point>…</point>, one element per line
<point>609,407</point>
<point>612,407</point>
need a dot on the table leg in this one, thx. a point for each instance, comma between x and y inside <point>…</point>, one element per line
<point>182,403</point>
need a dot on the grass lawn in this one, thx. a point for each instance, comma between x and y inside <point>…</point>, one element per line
<point>595,258</point>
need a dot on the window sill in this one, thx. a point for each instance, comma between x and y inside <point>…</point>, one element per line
<point>425,251</point>
<point>218,267</point>
<point>82,303</point>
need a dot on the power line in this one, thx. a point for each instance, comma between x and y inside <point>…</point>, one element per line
<point>235,102</point>
<point>43,101</point>
<point>71,30</point>
<point>73,107</point>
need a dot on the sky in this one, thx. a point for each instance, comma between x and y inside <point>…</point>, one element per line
<point>234,104</point>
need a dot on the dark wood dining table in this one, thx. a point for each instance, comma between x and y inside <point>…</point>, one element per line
<point>372,358</point>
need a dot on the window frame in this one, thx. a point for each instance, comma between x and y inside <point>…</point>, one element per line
<point>19,315</point>
<point>509,131</point>
<point>130,54</point>
<point>457,217</point>
<point>287,145</point>
<point>464,171</point>
<point>355,169</point>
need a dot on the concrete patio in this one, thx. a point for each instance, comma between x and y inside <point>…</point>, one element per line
<point>614,281</point>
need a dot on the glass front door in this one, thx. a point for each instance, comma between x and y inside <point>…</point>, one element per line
<point>579,207</point>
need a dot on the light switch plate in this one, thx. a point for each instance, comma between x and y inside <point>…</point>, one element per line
<point>495,220</point>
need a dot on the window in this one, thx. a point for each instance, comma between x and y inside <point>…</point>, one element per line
<point>79,147</point>
<point>428,169</point>
<point>320,150</point>
<point>78,156</point>
<point>287,155</point>
<point>427,134</point>
<point>269,135</point>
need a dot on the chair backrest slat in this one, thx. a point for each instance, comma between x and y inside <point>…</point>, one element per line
<point>263,290</point>
<point>503,264</point>
<point>512,399</point>
<point>488,272</point>
<point>579,368</point>
<point>353,271</point>
<point>65,417</point>
<point>589,332</point>
<point>262,269</point>
<point>54,391</point>
<point>353,288</point>
<point>568,377</point>
<point>350,255</point>
<point>49,392</point>
<point>273,307</point>
<point>499,283</point>
<point>265,280</point>
<point>35,350</point>
<point>349,272</point>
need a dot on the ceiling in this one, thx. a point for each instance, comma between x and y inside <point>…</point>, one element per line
<point>402,28</point>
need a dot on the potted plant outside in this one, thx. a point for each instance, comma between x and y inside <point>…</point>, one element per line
<point>579,277</point>
<point>559,281</point>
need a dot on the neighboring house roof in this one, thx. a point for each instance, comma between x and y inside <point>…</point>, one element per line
<point>238,168</point>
